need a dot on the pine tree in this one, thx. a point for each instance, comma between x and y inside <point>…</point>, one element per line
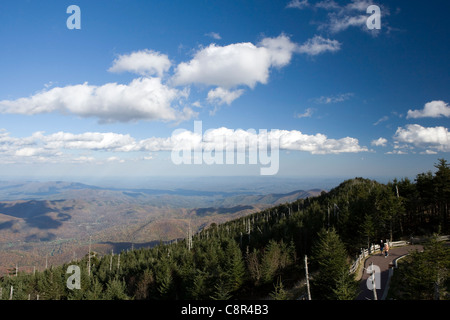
<point>115,290</point>
<point>423,275</point>
<point>221,292</point>
<point>279,292</point>
<point>270,261</point>
<point>333,277</point>
<point>442,184</point>
<point>94,291</point>
<point>346,287</point>
<point>234,266</point>
<point>200,288</point>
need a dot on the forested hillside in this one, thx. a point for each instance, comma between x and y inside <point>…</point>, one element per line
<point>260,255</point>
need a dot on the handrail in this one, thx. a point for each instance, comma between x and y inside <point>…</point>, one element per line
<point>374,247</point>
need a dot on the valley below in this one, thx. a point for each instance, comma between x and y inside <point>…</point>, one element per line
<point>49,223</point>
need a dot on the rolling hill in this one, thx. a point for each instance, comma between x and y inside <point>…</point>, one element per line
<point>51,222</point>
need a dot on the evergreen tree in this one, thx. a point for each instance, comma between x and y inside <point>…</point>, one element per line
<point>279,292</point>
<point>423,275</point>
<point>333,277</point>
<point>270,261</point>
<point>94,291</point>
<point>144,285</point>
<point>233,266</point>
<point>346,287</point>
<point>442,185</point>
<point>221,292</point>
<point>200,288</point>
<point>115,290</point>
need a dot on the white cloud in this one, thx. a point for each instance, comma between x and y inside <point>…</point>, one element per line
<point>288,140</point>
<point>297,4</point>
<point>28,152</point>
<point>197,104</point>
<point>338,23</point>
<point>214,35</point>
<point>334,99</point>
<point>396,152</point>
<point>144,62</point>
<point>87,141</point>
<point>235,64</point>
<point>143,98</point>
<point>280,50</point>
<point>433,109</point>
<point>431,138</point>
<point>225,68</point>
<point>115,159</point>
<point>317,144</point>
<point>382,119</point>
<point>90,147</point>
<point>428,152</point>
<point>318,45</point>
<point>352,14</point>
<point>223,96</point>
<point>307,114</point>
<point>380,142</point>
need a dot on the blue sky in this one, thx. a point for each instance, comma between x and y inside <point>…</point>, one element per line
<point>108,99</point>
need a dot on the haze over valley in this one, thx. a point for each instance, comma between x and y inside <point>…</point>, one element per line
<point>45,223</point>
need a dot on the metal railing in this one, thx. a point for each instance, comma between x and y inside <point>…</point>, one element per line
<point>373,248</point>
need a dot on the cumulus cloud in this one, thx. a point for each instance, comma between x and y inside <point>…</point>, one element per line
<point>396,152</point>
<point>289,140</point>
<point>225,68</point>
<point>433,109</point>
<point>88,141</point>
<point>280,50</point>
<point>91,146</point>
<point>143,98</point>
<point>317,144</point>
<point>430,138</point>
<point>223,96</point>
<point>319,45</point>
<point>243,65</point>
<point>235,64</point>
<point>144,62</point>
<point>380,142</point>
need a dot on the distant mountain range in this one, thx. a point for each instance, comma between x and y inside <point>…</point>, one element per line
<point>57,219</point>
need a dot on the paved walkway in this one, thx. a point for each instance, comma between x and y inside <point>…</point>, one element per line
<point>383,263</point>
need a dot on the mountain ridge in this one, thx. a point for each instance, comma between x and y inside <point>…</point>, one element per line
<point>59,220</point>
